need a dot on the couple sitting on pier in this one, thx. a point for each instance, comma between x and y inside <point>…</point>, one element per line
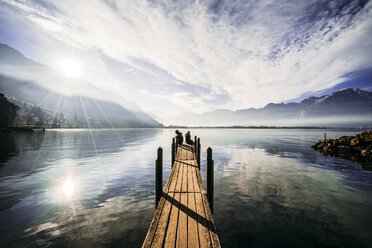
<point>179,138</point>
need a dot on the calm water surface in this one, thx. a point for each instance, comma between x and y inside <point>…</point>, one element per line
<point>80,188</point>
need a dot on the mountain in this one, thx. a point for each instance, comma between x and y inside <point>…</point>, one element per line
<point>10,56</point>
<point>340,103</point>
<point>347,107</point>
<point>20,78</point>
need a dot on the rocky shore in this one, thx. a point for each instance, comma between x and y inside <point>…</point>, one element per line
<point>357,148</point>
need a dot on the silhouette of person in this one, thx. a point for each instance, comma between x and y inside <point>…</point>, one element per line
<point>179,138</point>
<point>188,138</point>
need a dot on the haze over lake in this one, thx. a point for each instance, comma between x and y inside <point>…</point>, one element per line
<point>74,188</point>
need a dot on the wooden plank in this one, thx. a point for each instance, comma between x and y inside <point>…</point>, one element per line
<point>154,222</point>
<point>192,153</point>
<point>163,220</point>
<point>179,152</point>
<point>188,157</point>
<point>195,178</point>
<point>208,215</point>
<point>193,235</point>
<point>203,227</point>
<point>212,227</point>
<point>153,225</point>
<point>170,239</point>
<point>182,219</point>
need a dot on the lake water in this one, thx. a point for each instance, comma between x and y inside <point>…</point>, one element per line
<point>81,188</point>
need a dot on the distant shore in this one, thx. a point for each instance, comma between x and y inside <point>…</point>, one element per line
<point>21,129</point>
<point>29,129</point>
<point>269,127</point>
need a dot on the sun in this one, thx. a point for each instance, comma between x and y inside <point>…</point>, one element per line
<point>70,67</point>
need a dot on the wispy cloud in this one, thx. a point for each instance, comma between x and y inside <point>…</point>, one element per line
<point>202,55</point>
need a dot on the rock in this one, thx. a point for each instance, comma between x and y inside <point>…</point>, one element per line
<point>350,147</point>
<point>367,136</point>
<point>354,142</point>
<point>345,140</point>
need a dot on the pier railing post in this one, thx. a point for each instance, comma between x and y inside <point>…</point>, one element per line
<point>210,178</point>
<point>173,151</point>
<point>196,147</point>
<point>198,157</point>
<point>195,140</point>
<point>158,176</point>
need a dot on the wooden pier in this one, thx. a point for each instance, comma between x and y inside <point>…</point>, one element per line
<point>183,216</point>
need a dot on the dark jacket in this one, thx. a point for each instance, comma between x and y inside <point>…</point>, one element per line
<point>179,138</point>
<point>188,139</point>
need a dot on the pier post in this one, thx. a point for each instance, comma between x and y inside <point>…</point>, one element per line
<point>325,136</point>
<point>195,140</point>
<point>196,147</point>
<point>210,178</point>
<point>198,157</point>
<point>173,151</point>
<point>158,176</point>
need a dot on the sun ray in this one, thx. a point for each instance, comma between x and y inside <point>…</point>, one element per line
<point>87,120</point>
<point>89,127</point>
<point>45,98</point>
<point>47,134</point>
<point>110,123</point>
<point>62,96</point>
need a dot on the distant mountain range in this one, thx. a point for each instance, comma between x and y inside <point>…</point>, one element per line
<point>32,82</point>
<point>347,107</point>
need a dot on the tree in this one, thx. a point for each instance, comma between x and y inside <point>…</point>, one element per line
<point>8,111</point>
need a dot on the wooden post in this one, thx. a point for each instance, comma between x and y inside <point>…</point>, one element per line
<point>325,136</point>
<point>210,178</point>
<point>173,151</point>
<point>158,177</point>
<point>196,147</point>
<point>198,157</point>
<point>195,144</point>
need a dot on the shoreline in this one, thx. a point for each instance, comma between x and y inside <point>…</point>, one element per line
<point>28,129</point>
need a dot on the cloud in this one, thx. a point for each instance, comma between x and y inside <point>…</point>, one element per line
<point>203,55</point>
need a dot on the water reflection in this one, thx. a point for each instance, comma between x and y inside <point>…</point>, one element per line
<point>271,189</point>
<point>365,161</point>
<point>68,188</point>
<point>284,143</point>
<point>279,198</point>
<point>62,175</point>
<point>115,223</point>
<point>7,147</point>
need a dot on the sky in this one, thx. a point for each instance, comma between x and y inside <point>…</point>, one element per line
<point>171,57</point>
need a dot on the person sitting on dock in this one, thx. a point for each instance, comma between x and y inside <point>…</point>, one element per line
<point>188,138</point>
<point>179,138</point>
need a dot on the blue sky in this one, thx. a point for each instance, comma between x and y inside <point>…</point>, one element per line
<point>193,56</point>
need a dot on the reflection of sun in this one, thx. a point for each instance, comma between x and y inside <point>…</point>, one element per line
<point>68,187</point>
<point>70,67</point>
